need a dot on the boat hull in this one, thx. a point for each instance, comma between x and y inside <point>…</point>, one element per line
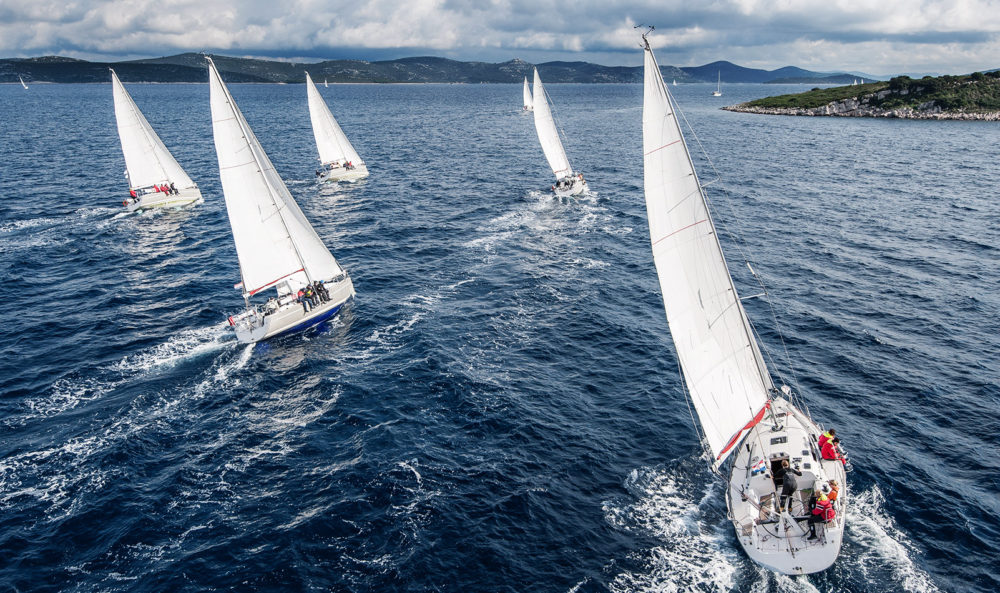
<point>780,542</point>
<point>163,200</point>
<point>292,317</point>
<point>577,187</point>
<point>339,174</point>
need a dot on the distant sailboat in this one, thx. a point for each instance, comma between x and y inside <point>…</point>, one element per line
<point>743,417</point>
<point>22,82</point>
<point>568,182</point>
<point>718,89</point>
<point>528,103</point>
<point>276,246</point>
<point>155,179</point>
<point>326,84</point>
<point>675,82</point>
<point>340,162</point>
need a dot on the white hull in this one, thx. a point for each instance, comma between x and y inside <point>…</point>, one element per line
<point>780,542</point>
<point>716,94</point>
<point>261,323</point>
<point>163,200</point>
<point>342,174</point>
<point>577,186</point>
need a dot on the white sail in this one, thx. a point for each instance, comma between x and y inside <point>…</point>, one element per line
<point>22,82</point>
<point>528,103</point>
<point>146,158</point>
<point>333,145</point>
<point>274,241</point>
<point>723,370</point>
<point>548,134</point>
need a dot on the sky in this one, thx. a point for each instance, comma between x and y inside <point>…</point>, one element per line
<point>880,37</point>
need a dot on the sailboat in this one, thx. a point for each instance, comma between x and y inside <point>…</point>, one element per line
<point>326,84</point>
<point>718,89</point>
<point>746,421</point>
<point>22,82</point>
<point>568,182</point>
<point>528,103</point>
<point>675,82</point>
<point>155,180</point>
<point>340,162</point>
<point>276,246</point>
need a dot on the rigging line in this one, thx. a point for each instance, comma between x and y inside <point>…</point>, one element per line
<point>739,245</point>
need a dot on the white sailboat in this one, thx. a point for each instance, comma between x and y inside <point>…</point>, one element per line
<point>340,162</point>
<point>276,246</point>
<point>675,82</point>
<point>568,182</point>
<point>155,179</point>
<point>528,103</point>
<point>326,84</point>
<point>718,89</point>
<point>22,82</point>
<point>745,420</point>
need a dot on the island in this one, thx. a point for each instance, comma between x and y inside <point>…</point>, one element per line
<point>972,97</point>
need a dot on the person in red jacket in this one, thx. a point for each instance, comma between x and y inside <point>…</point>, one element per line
<point>830,451</point>
<point>826,436</point>
<point>823,512</point>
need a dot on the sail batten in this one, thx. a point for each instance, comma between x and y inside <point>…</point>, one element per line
<point>719,358</point>
<point>273,238</point>
<point>147,159</point>
<point>548,134</point>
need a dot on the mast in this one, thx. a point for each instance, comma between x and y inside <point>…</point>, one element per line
<point>719,357</point>
<point>548,134</point>
<point>274,241</point>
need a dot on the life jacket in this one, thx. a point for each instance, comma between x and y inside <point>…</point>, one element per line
<point>823,438</point>
<point>824,508</point>
<point>829,451</point>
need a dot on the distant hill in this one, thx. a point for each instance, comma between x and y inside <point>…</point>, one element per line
<point>974,96</point>
<point>190,67</point>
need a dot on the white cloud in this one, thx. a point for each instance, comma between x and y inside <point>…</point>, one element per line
<point>874,35</point>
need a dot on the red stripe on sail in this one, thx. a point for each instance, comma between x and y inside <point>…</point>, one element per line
<point>736,437</point>
<point>273,282</point>
<point>679,230</point>
<point>662,147</point>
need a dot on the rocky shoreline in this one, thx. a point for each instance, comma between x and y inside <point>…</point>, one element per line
<point>856,108</point>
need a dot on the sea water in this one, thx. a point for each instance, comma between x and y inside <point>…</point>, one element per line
<point>500,408</point>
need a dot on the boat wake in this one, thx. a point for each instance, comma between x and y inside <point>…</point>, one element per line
<point>698,552</point>
<point>68,393</point>
<point>692,555</point>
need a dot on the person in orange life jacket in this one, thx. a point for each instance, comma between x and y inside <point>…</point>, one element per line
<point>822,513</point>
<point>830,452</point>
<point>301,297</point>
<point>788,485</point>
<point>131,192</point>
<point>834,490</point>
<point>826,436</point>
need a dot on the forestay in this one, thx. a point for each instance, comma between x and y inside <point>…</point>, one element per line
<point>722,366</point>
<point>274,241</point>
<point>146,158</point>
<point>331,141</point>
<point>548,134</point>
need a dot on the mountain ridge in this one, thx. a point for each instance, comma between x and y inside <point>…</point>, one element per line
<point>190,67</point>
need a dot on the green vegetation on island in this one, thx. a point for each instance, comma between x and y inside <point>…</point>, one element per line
<point>902,96</point>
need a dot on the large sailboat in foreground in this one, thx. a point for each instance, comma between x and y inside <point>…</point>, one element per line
<point>747,423</point>
<point>276,246</point>
<point>340,162</point>
<point>526,94</point>
<point>155,180</point>
<point>568,182</point>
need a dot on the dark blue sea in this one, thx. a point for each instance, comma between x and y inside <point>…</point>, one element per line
<point>499,410</point>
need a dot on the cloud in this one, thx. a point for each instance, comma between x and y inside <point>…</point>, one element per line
<point>870,35</point>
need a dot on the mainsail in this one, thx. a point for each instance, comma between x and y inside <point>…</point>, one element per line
<point>548,134</point>
<point>721,362</point>
<point>274,241</point>
<point>527,95</point>
<point>146,158</point>
<point>333,145</point>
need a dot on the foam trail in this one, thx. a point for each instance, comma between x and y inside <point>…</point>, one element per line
<point>883,544</point>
